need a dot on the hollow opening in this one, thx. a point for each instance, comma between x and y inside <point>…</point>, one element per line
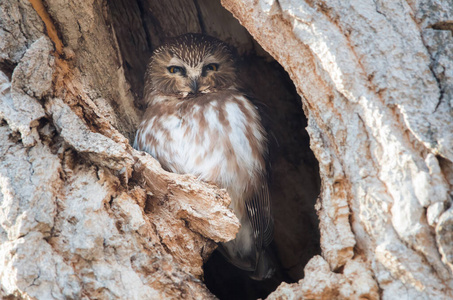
<point>140,27</point>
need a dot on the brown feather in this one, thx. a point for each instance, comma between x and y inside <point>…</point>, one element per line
<point>214,133</point>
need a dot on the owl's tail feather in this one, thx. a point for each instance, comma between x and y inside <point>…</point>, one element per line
<point>265,266</point>
<point>259,265</point>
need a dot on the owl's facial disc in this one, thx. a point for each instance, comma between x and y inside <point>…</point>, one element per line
<point>192,64</point>
<point>194,79</point>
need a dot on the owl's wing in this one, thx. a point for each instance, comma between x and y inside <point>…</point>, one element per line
<point>261,221</point>
<point>260,215</point>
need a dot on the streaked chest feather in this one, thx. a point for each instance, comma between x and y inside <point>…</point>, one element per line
<point>218,138</point>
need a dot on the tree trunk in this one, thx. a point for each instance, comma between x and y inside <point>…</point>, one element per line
<point>85,216</point>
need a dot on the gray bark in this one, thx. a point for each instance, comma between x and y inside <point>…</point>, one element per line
<point>84,216</point>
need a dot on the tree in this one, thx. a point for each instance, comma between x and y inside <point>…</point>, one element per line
<point>84,215</point>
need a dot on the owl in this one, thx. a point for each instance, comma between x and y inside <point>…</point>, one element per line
<point>199,122</point>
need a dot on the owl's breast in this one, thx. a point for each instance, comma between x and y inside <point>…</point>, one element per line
<point>218,138</point>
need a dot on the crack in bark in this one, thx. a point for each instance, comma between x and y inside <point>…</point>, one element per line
<point>39,7</point>
<point>200,17</point>
<point>141,8</point>
<point>438,81</point>
<point>445,25</point>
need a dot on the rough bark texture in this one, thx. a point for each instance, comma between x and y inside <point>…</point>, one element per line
<point>85,216</point>
<point>82,214</point>
<point>376,83</point>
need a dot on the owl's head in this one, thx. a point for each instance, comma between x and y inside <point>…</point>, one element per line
<point>191,64</point>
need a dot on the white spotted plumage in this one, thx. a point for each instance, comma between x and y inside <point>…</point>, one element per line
<point>177,148</point>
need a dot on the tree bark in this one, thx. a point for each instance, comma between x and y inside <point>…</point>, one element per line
<point>85,216</point>
<point>376,82</point>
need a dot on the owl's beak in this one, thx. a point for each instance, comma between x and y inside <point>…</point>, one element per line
<point>194,85</point>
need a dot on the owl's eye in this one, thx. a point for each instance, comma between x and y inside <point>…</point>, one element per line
<point>211,67</point>
<point>176,69</point>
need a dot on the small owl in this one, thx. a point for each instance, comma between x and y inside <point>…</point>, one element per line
<point>199,122</point>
